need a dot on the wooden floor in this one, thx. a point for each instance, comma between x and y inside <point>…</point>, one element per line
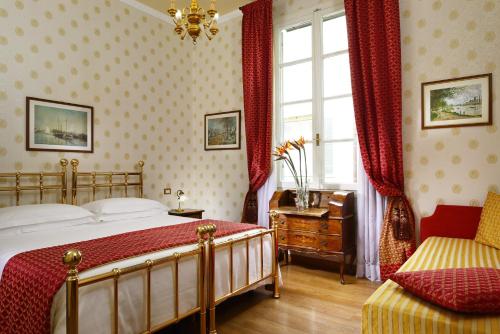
<point>312,301</point>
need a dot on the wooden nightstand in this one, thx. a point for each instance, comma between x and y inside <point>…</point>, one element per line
<point>190,213</point>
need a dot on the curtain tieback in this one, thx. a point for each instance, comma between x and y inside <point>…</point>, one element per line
<point>401,217</point>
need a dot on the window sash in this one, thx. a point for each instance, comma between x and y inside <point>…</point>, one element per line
<point>318,99</point>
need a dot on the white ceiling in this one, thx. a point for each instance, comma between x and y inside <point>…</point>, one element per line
<point>223,6</point>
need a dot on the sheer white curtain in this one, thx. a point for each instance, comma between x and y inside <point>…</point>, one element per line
<point>264,195</point>
<point>371,208</point>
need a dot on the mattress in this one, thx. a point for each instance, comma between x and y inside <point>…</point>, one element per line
<point>393,310</point>
<point>95,301</point>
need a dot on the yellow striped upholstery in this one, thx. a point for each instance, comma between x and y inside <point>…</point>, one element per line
<point>393,310</point>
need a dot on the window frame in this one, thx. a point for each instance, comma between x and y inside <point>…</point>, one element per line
<point>315,19</point>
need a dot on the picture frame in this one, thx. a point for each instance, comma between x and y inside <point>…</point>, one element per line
<point>223,131</point>
<point>465,101</point>
<point>59,126</point>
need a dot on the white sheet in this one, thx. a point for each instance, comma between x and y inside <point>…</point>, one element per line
<point>95,304</point>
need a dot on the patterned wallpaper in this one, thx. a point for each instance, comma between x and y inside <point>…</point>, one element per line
<point>128,65</point>
<point>441,40</point>
<point>150,92</point>
<point>216,181</point>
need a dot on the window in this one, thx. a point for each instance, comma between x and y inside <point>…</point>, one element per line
<point>314,99</point>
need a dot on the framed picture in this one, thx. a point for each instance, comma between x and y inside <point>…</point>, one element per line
<point>59,126</point>
<point>223,131</point>
<point>463,101</point>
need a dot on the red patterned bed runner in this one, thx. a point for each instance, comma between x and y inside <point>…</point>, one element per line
<point>30,280</point>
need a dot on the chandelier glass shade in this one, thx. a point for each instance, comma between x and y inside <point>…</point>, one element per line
<point>193,19</point>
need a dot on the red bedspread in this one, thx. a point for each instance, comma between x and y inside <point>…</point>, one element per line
<point>30,280</point>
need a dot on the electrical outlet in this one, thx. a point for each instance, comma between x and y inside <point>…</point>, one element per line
<point>167,191</point>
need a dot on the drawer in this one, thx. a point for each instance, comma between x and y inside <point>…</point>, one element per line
<point>298,239</point>
<point>330,243</point>
<point>331,226</point>
<point>302,224</point>
<point>282,237</point>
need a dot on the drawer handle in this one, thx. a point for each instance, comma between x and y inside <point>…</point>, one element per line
<point>282,238</point>
<point>324,225</point>
<point>324,243</point>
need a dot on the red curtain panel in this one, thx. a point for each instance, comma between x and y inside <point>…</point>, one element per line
<point>375,58</point>
<point>257,61</point>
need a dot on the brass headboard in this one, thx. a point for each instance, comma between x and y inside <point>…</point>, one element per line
<point>108,181</point>
<point>40,185</point>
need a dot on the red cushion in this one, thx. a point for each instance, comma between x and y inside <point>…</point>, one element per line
<point>471,290</point>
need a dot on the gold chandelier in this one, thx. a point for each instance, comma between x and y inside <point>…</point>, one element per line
<point>190,20</point>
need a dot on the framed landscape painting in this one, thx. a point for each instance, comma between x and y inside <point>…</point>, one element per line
<point>463,101</point>
<point>58,126</point>
<point>222,131</point>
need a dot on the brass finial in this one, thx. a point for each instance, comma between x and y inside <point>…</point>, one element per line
<point>63,162</point>
<point>140,163</point>
<point>74,164</point>
<point>274,215</point>
<point>274,218</point>
<point>72,258</point>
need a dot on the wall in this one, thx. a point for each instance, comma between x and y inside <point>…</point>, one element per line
<point>150,92</point>
<point>441,40</point>
<point>216,181</point>
<point>128,65</point>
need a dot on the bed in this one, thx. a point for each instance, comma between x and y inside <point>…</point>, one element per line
<point>448,242</point>
<point>145,292</point>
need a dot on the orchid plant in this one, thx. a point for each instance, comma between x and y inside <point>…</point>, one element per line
<point>282,153</point>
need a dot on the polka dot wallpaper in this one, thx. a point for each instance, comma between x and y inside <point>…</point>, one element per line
<point>216,181</point>
<point>150,92</point>
<point>441,40</point>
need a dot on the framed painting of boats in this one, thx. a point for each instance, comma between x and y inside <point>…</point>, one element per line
<point>59,126</point>
<point>457,102</point>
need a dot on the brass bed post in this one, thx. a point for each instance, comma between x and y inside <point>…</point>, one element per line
<point>18,187</point>
<point>72,258</point>
<point>276,279</point>
<point>74,180</point>
<point>141,178</point>
<point>201,231</point>
<point>64,181</point>
<point>211,277</point>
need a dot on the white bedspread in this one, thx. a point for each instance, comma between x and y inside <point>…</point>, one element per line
<point>95,304</point>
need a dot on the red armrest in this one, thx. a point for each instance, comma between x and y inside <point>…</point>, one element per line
<point>451,221</point>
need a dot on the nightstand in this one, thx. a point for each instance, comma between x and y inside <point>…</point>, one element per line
<point>190,213</point>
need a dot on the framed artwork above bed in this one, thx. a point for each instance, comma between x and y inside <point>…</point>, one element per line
<point>59,126</point>
<point>223,131</point>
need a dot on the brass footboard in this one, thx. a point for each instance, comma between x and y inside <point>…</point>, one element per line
<point>72,259</point>
<point>212,248</point>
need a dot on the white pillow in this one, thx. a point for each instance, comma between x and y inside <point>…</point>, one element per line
<point>129,215</point>
<point>58,225</point>
<point>112,206</point>
<point>24,215</point>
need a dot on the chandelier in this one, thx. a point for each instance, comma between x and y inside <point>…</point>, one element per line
<point>191,20</point>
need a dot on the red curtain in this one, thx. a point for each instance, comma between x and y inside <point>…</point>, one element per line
<point>375,58</point>
<point>257,61</point>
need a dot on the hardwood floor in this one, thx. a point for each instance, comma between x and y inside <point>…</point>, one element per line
<point>312,301</point>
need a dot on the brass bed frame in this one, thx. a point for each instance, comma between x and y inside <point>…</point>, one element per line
<point>205,253</point>
<point>39,184</point>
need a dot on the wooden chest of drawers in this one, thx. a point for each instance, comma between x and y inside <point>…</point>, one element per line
<point>326,229</point>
